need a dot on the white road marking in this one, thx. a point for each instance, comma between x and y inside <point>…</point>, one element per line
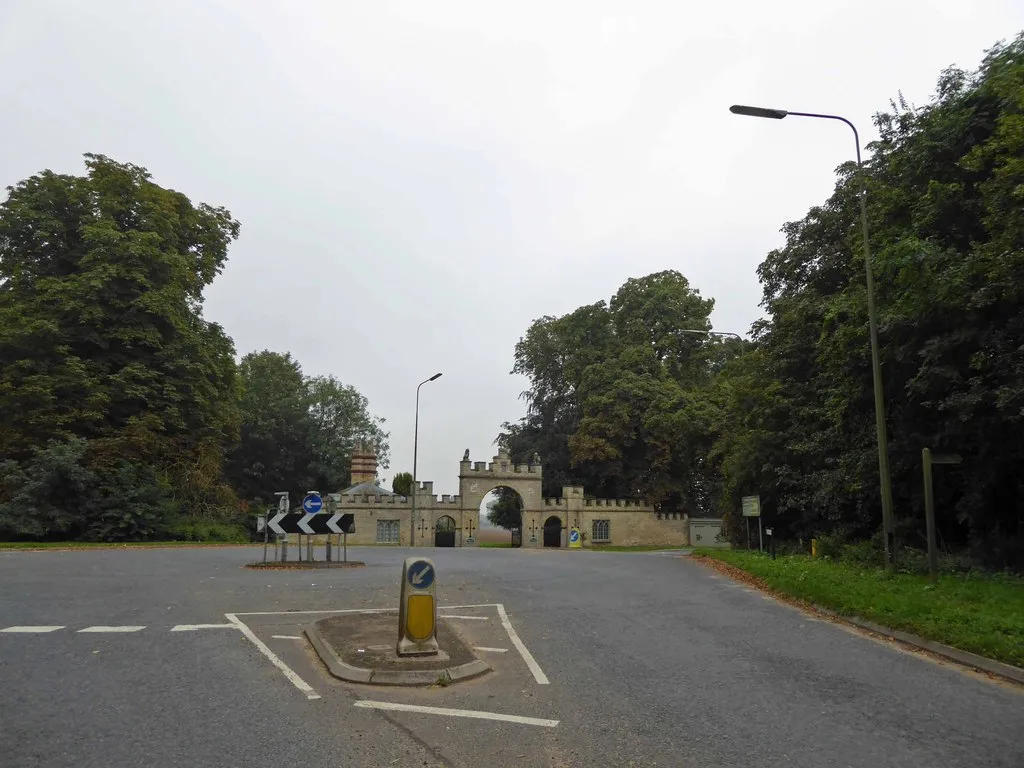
<point>472,713</point>
<point>358,610</point>
<point>531,662</point>
<point>32,629</point>
<point>193,627</point>
<point>293,678</point>
<point>468,618</point>
<point>112,629</point>
<point>490,650</point>
<point>286,637</point>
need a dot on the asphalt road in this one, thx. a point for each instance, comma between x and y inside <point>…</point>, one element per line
<point>643,659</point>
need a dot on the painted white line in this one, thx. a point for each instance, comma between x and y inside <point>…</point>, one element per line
<point>468,618</point>
<point>352,610</point>
<point>194,627</point>
<point>294,679</point>
<point>490,650</point>
<point>112,629</point>
<point>531,662</point>
<point>32,629</point>
<point>299,613</point>
<point>473,713</point>
<point>287,637</point>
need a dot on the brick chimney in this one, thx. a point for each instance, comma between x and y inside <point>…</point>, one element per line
<point>364,463</point>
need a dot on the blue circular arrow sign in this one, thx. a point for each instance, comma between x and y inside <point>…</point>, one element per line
<point>421,574</point>
<point>574,536</point>
<point>312,504</point>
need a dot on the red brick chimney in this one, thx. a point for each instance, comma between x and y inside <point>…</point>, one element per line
<point>364,463</point>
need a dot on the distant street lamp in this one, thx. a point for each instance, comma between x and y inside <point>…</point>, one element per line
<point>711,333</point>
<point>876,365</point>
<point>415,449</point>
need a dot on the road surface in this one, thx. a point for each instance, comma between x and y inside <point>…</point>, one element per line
<point>176,657</point>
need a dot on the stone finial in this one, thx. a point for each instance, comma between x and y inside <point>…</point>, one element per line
<point>536,458</point>
<point>465,456</point>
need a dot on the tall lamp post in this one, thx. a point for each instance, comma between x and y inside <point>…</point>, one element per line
<point>876,365</point>
<point>415,450</point>
<point>711,333</point>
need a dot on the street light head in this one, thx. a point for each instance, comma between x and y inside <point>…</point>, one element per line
<point>775,114</point>
<point>435,376</point>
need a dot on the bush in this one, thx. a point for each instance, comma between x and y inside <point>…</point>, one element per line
<point>192,529</point>
<point>57,495</point>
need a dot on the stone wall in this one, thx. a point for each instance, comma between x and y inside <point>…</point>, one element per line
<point>630,522</point>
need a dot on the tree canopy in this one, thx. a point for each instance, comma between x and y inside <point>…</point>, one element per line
<point>402,484</point>
<point>119,401</point>
<point>622,401</point>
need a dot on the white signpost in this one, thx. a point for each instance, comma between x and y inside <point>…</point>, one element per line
<point>752,508</point>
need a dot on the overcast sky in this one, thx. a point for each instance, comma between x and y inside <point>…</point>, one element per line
<point>418,181</point>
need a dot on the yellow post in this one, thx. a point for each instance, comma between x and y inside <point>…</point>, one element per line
<point>814,547</point>
<point>417,609</point>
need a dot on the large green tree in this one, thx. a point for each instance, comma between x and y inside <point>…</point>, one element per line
<point>947,230</point>
<point>617,399</point>
<point>297,433</point>
<point>101,329</point>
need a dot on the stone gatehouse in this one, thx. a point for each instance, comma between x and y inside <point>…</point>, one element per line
<point>382,517</point>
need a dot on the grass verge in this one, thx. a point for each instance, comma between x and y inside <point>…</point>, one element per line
<point>37,545</point>
<point>981,613</point>
<point>495,544</point>
<point>633,548</point>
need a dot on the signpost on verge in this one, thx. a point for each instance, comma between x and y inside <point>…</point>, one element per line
<point>752,508</point>
<point>417,609</point>
<point>927,459</point>
<point>574,538</point>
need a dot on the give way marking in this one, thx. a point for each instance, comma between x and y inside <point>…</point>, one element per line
<point>471,713</point>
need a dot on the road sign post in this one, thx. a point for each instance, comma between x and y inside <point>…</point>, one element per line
<point>752,508</point>
<point>927,459</point>
<point>417,609</point>
<point>575,541</point>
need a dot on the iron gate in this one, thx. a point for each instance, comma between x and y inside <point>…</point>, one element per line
<point>444,532</point>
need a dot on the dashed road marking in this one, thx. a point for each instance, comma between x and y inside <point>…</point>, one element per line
<point>194,627</point>
<point>29,629</point>
<point>485,649</point>
<point>293,678</point>
<point>286,637</point>
<point>531,662</point>
<point>112,629</point>
<point>467,618</point>
<point>471,713</point>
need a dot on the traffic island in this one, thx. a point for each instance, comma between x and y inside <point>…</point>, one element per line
<point>315,565</point>
<point>360,648</point>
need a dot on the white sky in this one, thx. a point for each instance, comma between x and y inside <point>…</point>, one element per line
<point>418,181</point>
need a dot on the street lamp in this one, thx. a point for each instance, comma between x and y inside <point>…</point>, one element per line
<point>415,448</point>
<point>876,365</point>
<point>711,333</point>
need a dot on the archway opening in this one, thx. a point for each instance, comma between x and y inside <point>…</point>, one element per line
<point>553,532</point>
<point>444,531</point>
<point>501,518</point>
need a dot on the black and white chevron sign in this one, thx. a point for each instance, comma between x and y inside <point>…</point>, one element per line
<point>283,523</point>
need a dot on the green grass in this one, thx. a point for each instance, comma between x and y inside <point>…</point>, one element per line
<point>981,613</point>
<point>30,545</point>
<point>631,548</point>
<point>495,544</point>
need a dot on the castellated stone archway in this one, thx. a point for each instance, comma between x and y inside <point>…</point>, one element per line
<point>478,478</point>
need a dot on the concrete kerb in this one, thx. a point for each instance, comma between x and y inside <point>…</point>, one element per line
<point>421,677</point>
<point>965,658</point>
<point>968,659</point>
